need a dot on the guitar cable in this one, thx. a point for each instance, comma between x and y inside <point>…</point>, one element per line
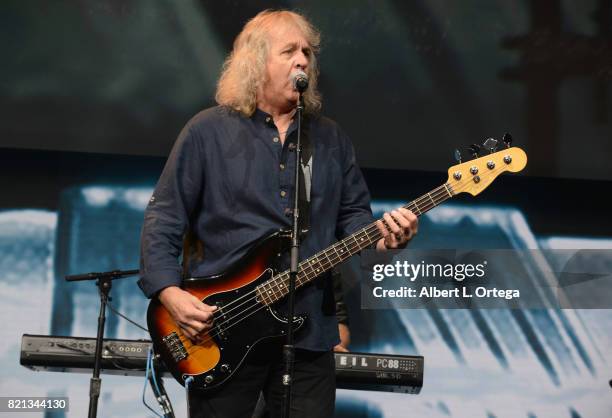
<point>116,312</point>
<point>158,389</point>
<point>144,388</point>
<point>188,382</point>
<point>161,395</point>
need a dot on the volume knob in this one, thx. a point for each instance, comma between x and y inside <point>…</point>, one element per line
<point>225,368</point>
<point>209,379</point>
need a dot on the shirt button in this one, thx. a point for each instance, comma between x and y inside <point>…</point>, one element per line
<point>275,139</point>
<point>283,193</point>
<point>282,166</point>
<point>267,119</point>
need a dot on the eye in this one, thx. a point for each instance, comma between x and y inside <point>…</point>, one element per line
<point>288,50</point>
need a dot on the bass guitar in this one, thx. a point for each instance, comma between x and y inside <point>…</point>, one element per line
<point>246,293</point>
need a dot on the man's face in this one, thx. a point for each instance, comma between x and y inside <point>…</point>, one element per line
<point>289,51</point>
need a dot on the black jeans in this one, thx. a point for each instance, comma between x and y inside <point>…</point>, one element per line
<point>313,391</point>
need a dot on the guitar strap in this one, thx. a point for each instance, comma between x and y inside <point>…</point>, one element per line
<point>328,304</point>
<point>305,178</point>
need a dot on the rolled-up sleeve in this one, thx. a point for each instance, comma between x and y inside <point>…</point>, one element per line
<point>168,213</point>
<point>355,211</point>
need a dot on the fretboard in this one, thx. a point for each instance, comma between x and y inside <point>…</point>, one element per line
<point>277,288</point>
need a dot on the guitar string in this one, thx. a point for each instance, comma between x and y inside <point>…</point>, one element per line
<point>277,285</point>
<point>259,306</point>
<point>197,347</point>
<point>223,312</point>
<point>236,318</point>
<point>372,229</point>
<point>441,190</point>
<point>436,192</point>
<point>371,226</point>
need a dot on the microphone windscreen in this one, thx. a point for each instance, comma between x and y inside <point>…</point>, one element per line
<point>299,80</point>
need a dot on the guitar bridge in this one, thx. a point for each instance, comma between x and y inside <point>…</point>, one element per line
<point>175,347</point>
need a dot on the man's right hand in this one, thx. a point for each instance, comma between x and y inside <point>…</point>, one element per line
<point>190,314</point>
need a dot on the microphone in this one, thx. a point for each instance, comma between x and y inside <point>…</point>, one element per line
<point>299,79</point>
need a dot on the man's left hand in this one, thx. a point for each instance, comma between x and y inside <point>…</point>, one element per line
<point>401,226</point>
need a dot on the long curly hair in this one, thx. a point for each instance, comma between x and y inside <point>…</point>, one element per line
<point>244,70</point>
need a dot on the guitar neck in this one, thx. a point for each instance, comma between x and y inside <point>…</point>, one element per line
<point>277,288</point>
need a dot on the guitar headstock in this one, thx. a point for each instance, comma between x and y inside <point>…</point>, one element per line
<point>474,176</point>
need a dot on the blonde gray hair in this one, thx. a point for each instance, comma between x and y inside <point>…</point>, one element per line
<point>244,69</point>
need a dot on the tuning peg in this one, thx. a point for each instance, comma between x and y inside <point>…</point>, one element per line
<point>507,138</point>
<point>458,156</point>
<point>490,144</point>
<point>474,149</point>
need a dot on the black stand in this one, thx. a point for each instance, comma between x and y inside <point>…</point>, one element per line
<point>103,281</point>
<point>289,348</point>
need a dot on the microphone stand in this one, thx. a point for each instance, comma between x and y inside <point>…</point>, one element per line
<point>103,281</point>
<point>289,347</point>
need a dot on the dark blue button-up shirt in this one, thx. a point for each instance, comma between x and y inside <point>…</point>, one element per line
<point>230,180</point>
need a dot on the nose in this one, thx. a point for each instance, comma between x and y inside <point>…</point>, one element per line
<point>301,61</point>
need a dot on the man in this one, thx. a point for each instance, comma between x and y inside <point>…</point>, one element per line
<point>229,182</point>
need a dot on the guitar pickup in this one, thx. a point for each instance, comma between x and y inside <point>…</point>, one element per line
<point>175,347</point>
